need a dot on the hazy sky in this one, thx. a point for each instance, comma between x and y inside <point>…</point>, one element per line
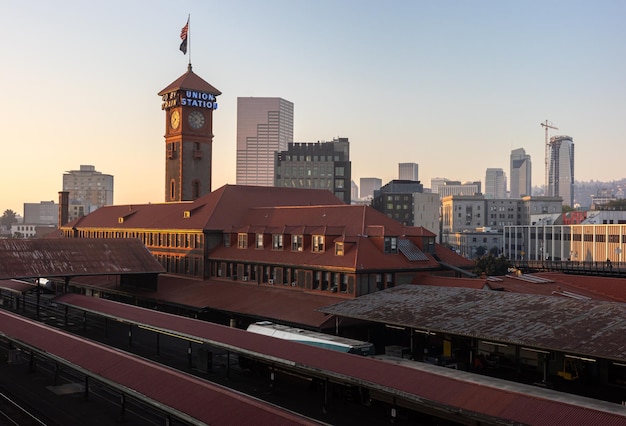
<point>451,85</point>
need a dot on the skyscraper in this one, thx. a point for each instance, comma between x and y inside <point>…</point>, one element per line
<point>561,173</point>
<point>436,183</point>
<point>264,127</point>
<point>408,171</point>
<point>495,183</point>
<point>520,173</point>
<point>369,185</point>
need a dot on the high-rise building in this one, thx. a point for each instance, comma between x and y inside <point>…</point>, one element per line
<point>368,186</point>
<point>561,172</point>
<point>88,189</point>
<point>319,165</point>
<point>520,174</point>
<point>395,199</point>
<point>437,182</point>
<point>495,183</point>
<point>354,194</point>
<point>188,103</point>
<point>426,211</point>
<point>264,127</point>
<point>408,171</point>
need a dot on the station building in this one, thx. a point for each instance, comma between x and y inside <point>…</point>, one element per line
<point>301,239</point>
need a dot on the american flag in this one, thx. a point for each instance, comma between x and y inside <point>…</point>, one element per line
<point>183,32</point>
<point>183,36</point>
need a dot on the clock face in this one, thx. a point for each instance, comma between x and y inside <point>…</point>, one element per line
<point>196,119</point>
<point>175,119</point>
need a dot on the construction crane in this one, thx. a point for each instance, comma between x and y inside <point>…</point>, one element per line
<point>547,125</point>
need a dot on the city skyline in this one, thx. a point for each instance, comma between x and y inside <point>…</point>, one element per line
<point>453,87</point>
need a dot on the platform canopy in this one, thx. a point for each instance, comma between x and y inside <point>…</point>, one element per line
<point>60,257</point>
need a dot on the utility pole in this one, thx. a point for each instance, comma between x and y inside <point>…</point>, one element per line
<point>547,125</point>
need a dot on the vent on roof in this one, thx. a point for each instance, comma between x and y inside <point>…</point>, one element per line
<point>410,250</point>
<point>120,219</point>
<point>186,214</point>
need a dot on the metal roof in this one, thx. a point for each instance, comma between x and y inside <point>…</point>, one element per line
<point>276,303</point>
<point>585,327</point>
<point>17,286</point>
<point>175,392</point>
<point>59,257</point>
<point>446,390</point>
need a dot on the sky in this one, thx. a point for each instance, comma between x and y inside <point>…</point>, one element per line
<point>451,85</point>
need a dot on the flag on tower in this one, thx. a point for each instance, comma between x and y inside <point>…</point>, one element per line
<point>183,36</point>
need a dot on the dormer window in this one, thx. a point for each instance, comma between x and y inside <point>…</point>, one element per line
<point>318,243</point>
<point>296,242</point>
<point>277,241</point>
<point>259,241</point>
<point>242,240</point>
<point>391,244</point>
<point>226,239</point>
<point>339,249</point>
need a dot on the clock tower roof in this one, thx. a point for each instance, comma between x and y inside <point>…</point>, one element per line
<point>190,81</point>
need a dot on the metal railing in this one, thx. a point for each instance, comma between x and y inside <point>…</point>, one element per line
<point>606,268</point>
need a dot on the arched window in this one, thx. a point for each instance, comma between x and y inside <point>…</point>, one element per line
<point>172,189</point>
<point>195,189</point>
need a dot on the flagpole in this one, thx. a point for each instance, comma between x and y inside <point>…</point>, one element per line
<point>189,37</point>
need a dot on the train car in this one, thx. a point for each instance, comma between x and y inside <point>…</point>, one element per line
<point>313,338</point>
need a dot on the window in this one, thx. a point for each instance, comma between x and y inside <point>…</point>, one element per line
<point>318,243</point>
<point>391,244</point>
<point>195,189</point>
<point>277,242</point>
<point>172,189</point>
<point>296,243</point>
<point>242,241</point>
<point>259,241</point>
<point>338,249</point>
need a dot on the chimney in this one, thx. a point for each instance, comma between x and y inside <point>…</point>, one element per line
<point>64,207</point>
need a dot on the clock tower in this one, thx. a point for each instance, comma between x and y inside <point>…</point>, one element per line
<point>188,104</point>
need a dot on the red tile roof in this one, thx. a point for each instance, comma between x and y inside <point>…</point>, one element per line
<point>191,81</point>
<point>293,211</point>
<point>219,210</point>
<point>349,219</point>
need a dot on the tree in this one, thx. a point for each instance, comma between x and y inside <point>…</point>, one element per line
<point>492,265</point>
<point>480,251</point>
<point>8,218</point>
